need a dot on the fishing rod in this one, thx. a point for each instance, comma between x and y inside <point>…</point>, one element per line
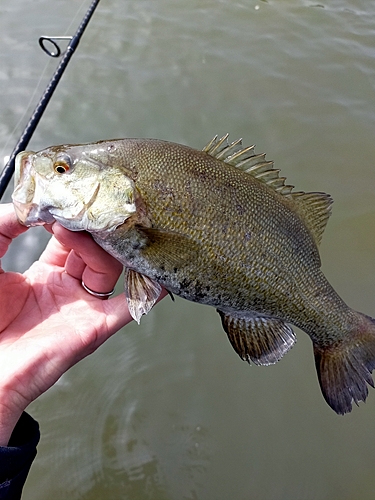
<point>23,141</point>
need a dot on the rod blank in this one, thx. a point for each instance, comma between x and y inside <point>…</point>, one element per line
<point>23,141</point>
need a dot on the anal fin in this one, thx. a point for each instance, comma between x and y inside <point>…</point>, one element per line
<point>141,293</point>
<point>258,339</point>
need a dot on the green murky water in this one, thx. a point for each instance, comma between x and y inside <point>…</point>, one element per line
<point>167,411</point>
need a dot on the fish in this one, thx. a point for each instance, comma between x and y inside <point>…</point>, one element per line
<point>218,226</point>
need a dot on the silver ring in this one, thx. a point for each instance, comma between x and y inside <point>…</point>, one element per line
<point>97,294</point>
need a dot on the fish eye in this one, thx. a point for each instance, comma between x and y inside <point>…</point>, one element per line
<point>62,165</point>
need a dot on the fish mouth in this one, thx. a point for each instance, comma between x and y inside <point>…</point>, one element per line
<point>31,214</point>
<point>25,195</point>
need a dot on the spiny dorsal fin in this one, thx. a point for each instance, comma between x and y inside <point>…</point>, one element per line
<point>246,160</point>
<point>314,208</point>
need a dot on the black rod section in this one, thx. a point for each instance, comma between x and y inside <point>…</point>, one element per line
<point>23,141</point>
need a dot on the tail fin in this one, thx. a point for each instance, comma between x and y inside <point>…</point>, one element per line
<point>344,369</point>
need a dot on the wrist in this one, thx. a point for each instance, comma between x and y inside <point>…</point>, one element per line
<point>9,416</point>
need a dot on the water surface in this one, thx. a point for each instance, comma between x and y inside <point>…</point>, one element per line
<point>167,411</point>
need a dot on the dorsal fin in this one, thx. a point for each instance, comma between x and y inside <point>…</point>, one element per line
<point>314,208</point>
<point>246,160</point>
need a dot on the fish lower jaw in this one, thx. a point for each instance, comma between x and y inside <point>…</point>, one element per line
<point>32,215</point>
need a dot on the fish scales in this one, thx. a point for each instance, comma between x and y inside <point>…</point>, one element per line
<point>218,227</point>
<point>249,252</point>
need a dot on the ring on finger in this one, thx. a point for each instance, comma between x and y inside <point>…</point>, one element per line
<point>98,295</point>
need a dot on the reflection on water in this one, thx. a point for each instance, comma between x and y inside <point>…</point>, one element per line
<point>167,410</point>
<point>135,421</point>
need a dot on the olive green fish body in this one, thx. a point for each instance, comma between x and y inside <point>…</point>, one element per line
<point>243,245</point>
<point>218,227</point>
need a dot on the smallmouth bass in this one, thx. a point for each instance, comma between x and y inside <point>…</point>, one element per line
<point>219,227</point>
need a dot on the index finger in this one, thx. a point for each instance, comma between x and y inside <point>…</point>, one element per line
<point>83,244</point>
<point>10,227</point>
<point>88,261</point>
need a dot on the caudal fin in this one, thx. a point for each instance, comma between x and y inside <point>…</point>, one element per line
<point>344,368</point>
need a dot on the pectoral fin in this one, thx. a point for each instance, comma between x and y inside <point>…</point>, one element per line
<point>141,293</point>
<point>262,340</point>
<point>168,250</point>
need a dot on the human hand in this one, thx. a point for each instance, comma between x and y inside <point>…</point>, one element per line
<point>48,322</point>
